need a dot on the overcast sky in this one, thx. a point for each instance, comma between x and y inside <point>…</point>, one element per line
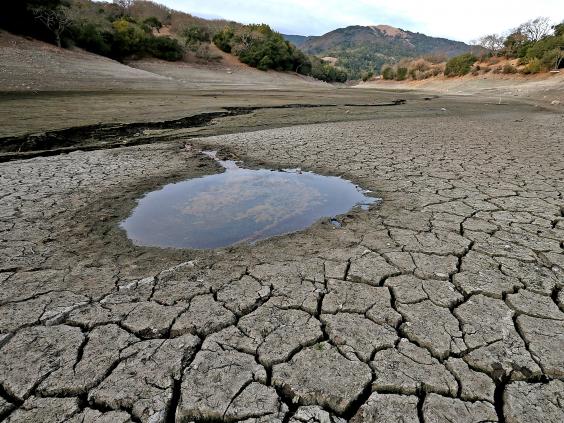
<point>463,21</point>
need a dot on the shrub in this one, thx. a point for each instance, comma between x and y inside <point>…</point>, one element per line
<point>196,34</point>
<point>367,75</point>
<point>165,48</point>
<point>153,22</point>
<point>202,51</point>
<point>388,73</point>
<point>223,39</point>
<point>534,66</point>
<point>401,74</point>
<point>92,38</point>
<point>460,65</point>
<point>508,68</point>
<point>129,39</point>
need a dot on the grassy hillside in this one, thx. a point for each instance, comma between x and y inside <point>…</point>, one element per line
<point>363,49</point>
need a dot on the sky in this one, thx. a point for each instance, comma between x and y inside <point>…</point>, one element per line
<point>462,21</point>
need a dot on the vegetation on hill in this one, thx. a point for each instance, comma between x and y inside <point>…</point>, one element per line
<point>109,29</point>
<point>259,46</point>
<point>132,29</point>
<point>533,47</point>
<point>363,50</point>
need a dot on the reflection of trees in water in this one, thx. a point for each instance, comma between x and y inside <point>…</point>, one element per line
<point>277,197</point>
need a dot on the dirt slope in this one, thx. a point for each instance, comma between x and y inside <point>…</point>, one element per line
<point>31,65</point>
<point>544,89</point>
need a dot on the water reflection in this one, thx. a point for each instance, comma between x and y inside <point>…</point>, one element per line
<point>239,205</point>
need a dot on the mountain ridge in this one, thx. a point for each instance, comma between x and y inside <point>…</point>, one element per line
<point>366,48</point>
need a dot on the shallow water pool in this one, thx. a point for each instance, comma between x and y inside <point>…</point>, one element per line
<point>239,206</point>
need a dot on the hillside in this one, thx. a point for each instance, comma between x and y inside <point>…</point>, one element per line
<point>367,48</point>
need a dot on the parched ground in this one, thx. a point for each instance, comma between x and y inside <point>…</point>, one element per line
<point>444,304</point>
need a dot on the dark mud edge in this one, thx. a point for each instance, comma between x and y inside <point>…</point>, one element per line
<point>112,135</point>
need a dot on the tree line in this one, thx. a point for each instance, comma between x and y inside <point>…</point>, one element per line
<point>536,46</point>
<point>125,29</point>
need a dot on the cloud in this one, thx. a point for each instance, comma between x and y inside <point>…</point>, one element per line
<point>462,21</point>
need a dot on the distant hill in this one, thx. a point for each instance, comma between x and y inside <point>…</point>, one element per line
<point>364,48</point>
<point>297,40</point>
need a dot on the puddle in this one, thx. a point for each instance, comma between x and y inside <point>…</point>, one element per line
<point>239,205</point>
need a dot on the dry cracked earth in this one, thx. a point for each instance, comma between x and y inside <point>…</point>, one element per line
<point>443,304</point>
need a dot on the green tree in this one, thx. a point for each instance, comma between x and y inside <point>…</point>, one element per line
<point>388,73</point>
<point>460,65</point>
<point>153,22</point>
<point>196,34</point>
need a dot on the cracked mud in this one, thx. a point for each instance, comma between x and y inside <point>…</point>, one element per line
<point>443,304</point>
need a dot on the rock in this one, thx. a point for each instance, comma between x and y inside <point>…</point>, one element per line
<point>425,372</point>
<point>439,409</point>
<point>534,402</point>
<point>34,353</point>
<point>279,333</point>
<point>432,327</point>
<point>474,386</point>
<point>385,408</point>
<point>355,335</point>
<point>203,316</point>
<point>320,375</point>
<point>143,381</point>
<point>545,339</point>
<point>40,410</point>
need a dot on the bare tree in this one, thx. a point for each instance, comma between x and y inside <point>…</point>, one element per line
<point>492,42</point>
<point>536,29</point>
<point>55,20</point>
<point>124,5</point>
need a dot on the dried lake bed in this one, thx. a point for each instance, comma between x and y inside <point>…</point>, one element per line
<point>444,303</point>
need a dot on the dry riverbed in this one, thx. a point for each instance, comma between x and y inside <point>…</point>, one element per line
<point>443,304</point>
